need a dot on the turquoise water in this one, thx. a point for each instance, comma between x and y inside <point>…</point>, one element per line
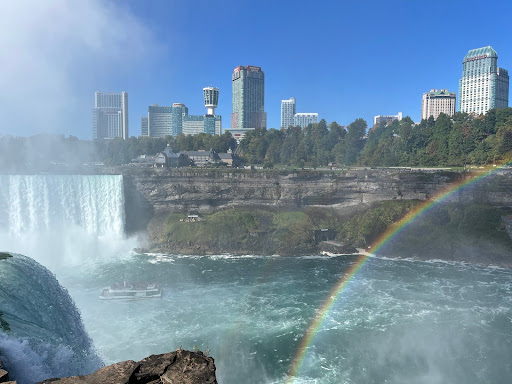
<point>397,321</point>
<point>46,337</point>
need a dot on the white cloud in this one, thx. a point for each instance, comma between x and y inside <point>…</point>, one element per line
<point>55,53</point>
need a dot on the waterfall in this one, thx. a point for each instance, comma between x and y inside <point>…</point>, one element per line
<point>46,337</point>
<point>62,219</point>
<point>40,203</point>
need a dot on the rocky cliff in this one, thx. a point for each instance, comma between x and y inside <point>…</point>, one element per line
<point>204,190</point>
<point>181,366</point>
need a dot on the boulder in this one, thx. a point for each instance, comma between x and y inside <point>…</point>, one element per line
<point>4,376</point>
<point>180,366</point>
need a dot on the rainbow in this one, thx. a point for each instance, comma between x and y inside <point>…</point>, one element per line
<point>382,240</point>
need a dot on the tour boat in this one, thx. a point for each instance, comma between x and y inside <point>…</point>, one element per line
<point>131,291</point>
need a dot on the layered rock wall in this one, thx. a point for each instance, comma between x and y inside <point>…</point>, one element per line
<point>205,190</point>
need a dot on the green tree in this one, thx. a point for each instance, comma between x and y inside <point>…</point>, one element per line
<point>354,140</point>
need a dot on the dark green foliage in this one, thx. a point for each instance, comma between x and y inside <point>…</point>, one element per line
<point>448,141</point>
<point>457,141</point>
<point>455,232</point>
<point>361,230</point>
<point>4,255</point>
<point>269,231</point>
<point>239,230</point>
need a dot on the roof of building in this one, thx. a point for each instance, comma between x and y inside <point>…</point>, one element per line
<point>170,154</point>
<point>484,51</point>
<point>225,155</point>
<point>144,159</point>
<point>441,92</point>
<point>196,153</point>
<point>251,68</point>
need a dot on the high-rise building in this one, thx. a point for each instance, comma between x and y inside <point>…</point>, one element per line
<point>386,118</point>
<point>144,130</point>
<point>248,103</point>
<point>304,119</point>
<point>483,85</point>
<point>110,115</point>
<point>194,124</point>
<point>173,120</point>
<point>436,102</point>
<point>159,121</point>
<point>287,112</point>
<point>179,111</point>
<point>290,117</point>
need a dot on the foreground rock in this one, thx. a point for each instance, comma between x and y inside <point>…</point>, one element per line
<point>4,376</point>
<point>181,366</point>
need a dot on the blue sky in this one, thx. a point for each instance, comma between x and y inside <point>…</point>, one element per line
<point>342,59</point>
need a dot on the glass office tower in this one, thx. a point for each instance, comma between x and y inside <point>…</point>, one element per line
<point>248,103</point>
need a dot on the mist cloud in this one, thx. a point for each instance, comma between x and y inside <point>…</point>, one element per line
<point>54,54</point>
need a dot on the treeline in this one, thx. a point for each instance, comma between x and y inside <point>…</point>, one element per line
<point>42,151</point>
<point>447,141</point>
<point>316,145</point>
<point>118,151</point>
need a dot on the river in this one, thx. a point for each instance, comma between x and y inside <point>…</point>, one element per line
<point>397,321</point>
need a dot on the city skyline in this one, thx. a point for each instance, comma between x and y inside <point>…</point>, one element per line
<point>351,63</point>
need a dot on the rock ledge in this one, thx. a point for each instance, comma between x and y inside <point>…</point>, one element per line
<point>180,366</point>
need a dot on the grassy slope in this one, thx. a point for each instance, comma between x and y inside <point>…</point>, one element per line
<point>450,231</point>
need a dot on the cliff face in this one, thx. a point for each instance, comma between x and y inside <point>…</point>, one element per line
<point>205,190</point>
<point>181,366</point>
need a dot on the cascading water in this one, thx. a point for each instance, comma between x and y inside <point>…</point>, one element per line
<point>46,337</point>
<point>45,202</point>
<point>62,219</point>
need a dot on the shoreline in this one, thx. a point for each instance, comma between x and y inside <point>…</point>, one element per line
<point>504,266</point>
<point>327,255</point>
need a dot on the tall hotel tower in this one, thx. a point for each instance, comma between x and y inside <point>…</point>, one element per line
<point>287,112</point>
<point>248,105</point>
<point>483,85</point>
<point>110,115</point>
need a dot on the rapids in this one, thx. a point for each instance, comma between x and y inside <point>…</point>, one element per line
<point>397,321</point>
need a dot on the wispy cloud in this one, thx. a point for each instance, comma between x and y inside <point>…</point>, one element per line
<point>54,53</point>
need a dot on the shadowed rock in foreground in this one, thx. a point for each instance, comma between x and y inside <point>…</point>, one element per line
<point>181,366</point>
<point>4,376</point>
